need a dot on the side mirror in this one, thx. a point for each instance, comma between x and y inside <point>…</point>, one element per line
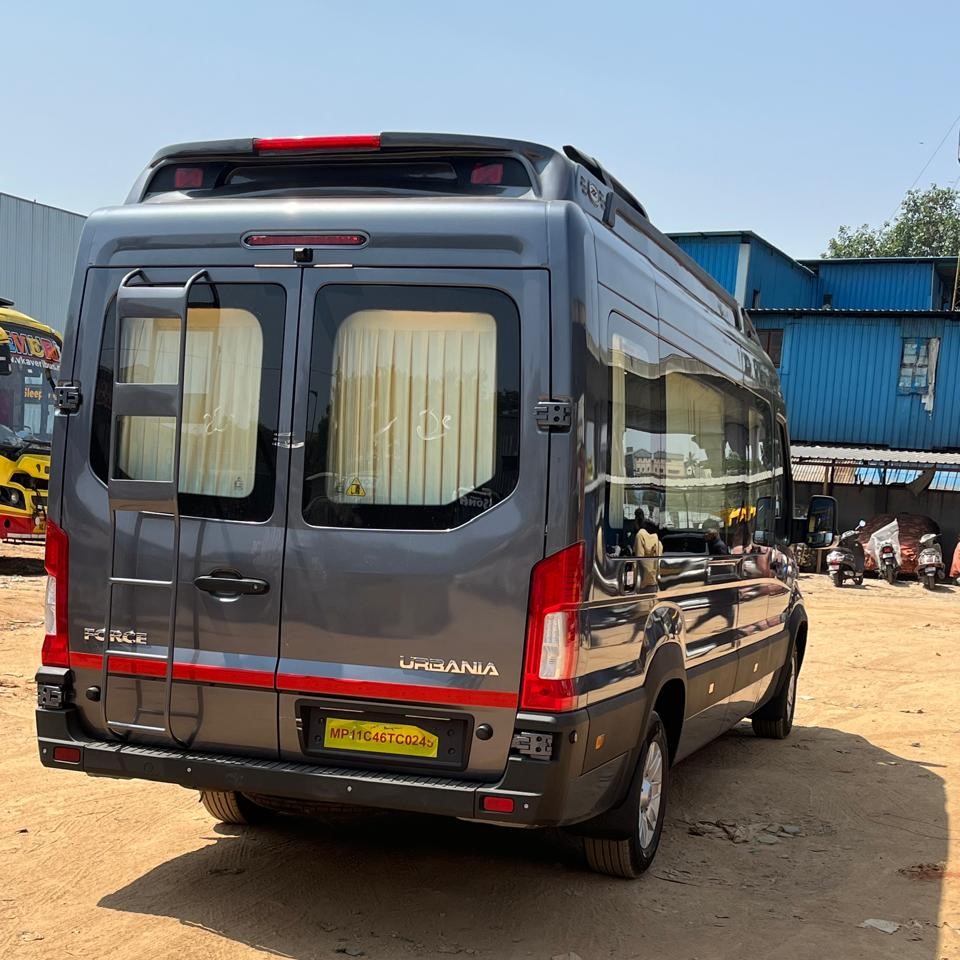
<point>821,527</point>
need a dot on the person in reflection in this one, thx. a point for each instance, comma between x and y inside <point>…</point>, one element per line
<point>646,543</point>
<point>715,545</point>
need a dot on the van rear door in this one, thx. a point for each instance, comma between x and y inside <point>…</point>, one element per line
<point>241,336</point>
<point>416,513</point>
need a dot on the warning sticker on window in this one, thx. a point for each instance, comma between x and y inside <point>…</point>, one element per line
<point>355,489</point>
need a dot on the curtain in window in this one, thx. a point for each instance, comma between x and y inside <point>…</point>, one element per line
<point>413,408</point>
<point>224,358</point>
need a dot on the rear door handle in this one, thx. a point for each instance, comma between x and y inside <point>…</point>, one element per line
<point>225,584</point>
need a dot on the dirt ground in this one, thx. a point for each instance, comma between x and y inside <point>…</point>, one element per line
<point>847,820</point>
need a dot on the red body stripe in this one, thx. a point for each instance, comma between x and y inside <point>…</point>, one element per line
<point>191,672</point>
<point>296,683</point>
<point>375,690</point>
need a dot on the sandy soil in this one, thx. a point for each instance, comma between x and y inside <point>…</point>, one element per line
<point>869,783</point>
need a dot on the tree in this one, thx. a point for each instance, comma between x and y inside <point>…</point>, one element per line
<point>927,225</point>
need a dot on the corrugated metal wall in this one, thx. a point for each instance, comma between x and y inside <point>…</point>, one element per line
<point>876,286</point>
<point>38,248</point>
<point>717,255</point>
<point>840,376</point>
<point>782,282</point>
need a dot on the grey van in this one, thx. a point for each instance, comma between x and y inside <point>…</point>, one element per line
<point>417,472</point>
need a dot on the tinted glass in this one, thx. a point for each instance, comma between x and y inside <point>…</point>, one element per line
<point>413,418</point>
<point>496,176</point>
<point>636,474</point>
<point>230,404</point>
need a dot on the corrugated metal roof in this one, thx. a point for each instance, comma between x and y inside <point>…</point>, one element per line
<point>850,312</point>
<point>825,454</point>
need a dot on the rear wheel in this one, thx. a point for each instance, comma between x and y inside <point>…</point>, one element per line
<point>837,579</point>
<point>890,574</point>
<point>630,856</point>
<point>228,806</point>
<point>775,720</point>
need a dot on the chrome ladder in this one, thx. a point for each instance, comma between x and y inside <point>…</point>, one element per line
<point>141,302</point>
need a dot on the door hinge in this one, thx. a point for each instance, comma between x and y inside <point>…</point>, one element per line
<point>554,415</point>
<point>67,397</point>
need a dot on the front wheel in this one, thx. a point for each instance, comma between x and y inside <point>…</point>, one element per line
<point>630,856</point>
<point>929,580</point>
<point>837,579</point>
<point>890,574</point>
<point>774,721</point>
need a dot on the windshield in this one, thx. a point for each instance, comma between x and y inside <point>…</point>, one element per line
<point>26,400</point>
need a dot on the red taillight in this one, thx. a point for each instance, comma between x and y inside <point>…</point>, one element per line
<point>186,178</point>
<point>305,240</point>
<point>56,643</point>
<point>275,144</point>
<point>553,640</point>
<point>66,754</point>
<point>497,804</point>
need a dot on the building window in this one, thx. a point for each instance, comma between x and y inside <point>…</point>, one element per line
<point>914,365</point>
<point>772,342</point>
<point>827,301</point>
<point>755,300</point>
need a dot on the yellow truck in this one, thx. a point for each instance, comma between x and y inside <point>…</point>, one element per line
<point>29,361</point>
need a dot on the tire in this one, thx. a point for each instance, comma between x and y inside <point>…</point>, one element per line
<point>889,574</point>
<point>858,581</point>
<point>228,806</point>
<point>631,856</point>
<point>837,579</point>
<point>775,720</point>
<point>929,581</point>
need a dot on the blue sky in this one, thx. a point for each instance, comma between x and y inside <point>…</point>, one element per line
<point>786,119</point>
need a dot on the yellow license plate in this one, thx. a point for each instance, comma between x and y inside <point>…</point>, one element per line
<point>400,739</point>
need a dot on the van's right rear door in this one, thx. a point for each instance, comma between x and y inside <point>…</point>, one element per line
<point>416,513</point>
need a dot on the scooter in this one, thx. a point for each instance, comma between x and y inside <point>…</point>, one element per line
<point>846,560</point>
<point>930,560</point>
<point>884,547</point>
<point>889,568</point>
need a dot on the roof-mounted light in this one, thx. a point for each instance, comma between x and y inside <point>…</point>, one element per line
<point>314,144</point>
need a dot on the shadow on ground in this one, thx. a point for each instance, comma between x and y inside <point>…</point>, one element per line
<point>21,566</point>
<point>395,885</point>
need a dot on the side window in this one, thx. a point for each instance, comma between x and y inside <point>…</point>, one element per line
<point>761,507</point>
<point>782,483</point>
<point>719,462</point>
<point>635,476</point>
<point>230,402</point>
<point>414,418</point>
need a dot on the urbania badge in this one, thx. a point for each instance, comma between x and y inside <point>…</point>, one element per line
<point>476,668</point>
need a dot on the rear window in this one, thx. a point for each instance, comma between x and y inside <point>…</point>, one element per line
<point>414,417</point>
<point>231,400</point>
<point>494,176</point>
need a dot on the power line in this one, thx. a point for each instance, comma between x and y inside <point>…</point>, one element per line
<point>923,169</point>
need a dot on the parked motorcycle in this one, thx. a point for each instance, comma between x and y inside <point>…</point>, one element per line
<point>846,560</point>
<point>930,560</point>
<point>885,549</point>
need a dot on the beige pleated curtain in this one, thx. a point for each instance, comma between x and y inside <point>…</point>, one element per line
<point>413,407</point>
<point>224,358</point>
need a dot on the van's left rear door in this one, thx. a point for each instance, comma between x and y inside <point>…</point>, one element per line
<point>241,340</point>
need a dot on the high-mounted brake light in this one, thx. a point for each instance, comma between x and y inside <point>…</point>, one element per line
<point>277,144</point>
<point>305,240</point>
<point>188,178</point>
<point>56,642</point>
<point>553,641</point>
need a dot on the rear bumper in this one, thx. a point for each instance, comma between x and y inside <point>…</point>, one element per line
<point>545,792</point>
<point>22,528</point>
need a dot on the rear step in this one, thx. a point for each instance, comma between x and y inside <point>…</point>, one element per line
<point>144,301</point>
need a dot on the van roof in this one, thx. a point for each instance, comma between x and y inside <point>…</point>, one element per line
<point>551,166</point>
